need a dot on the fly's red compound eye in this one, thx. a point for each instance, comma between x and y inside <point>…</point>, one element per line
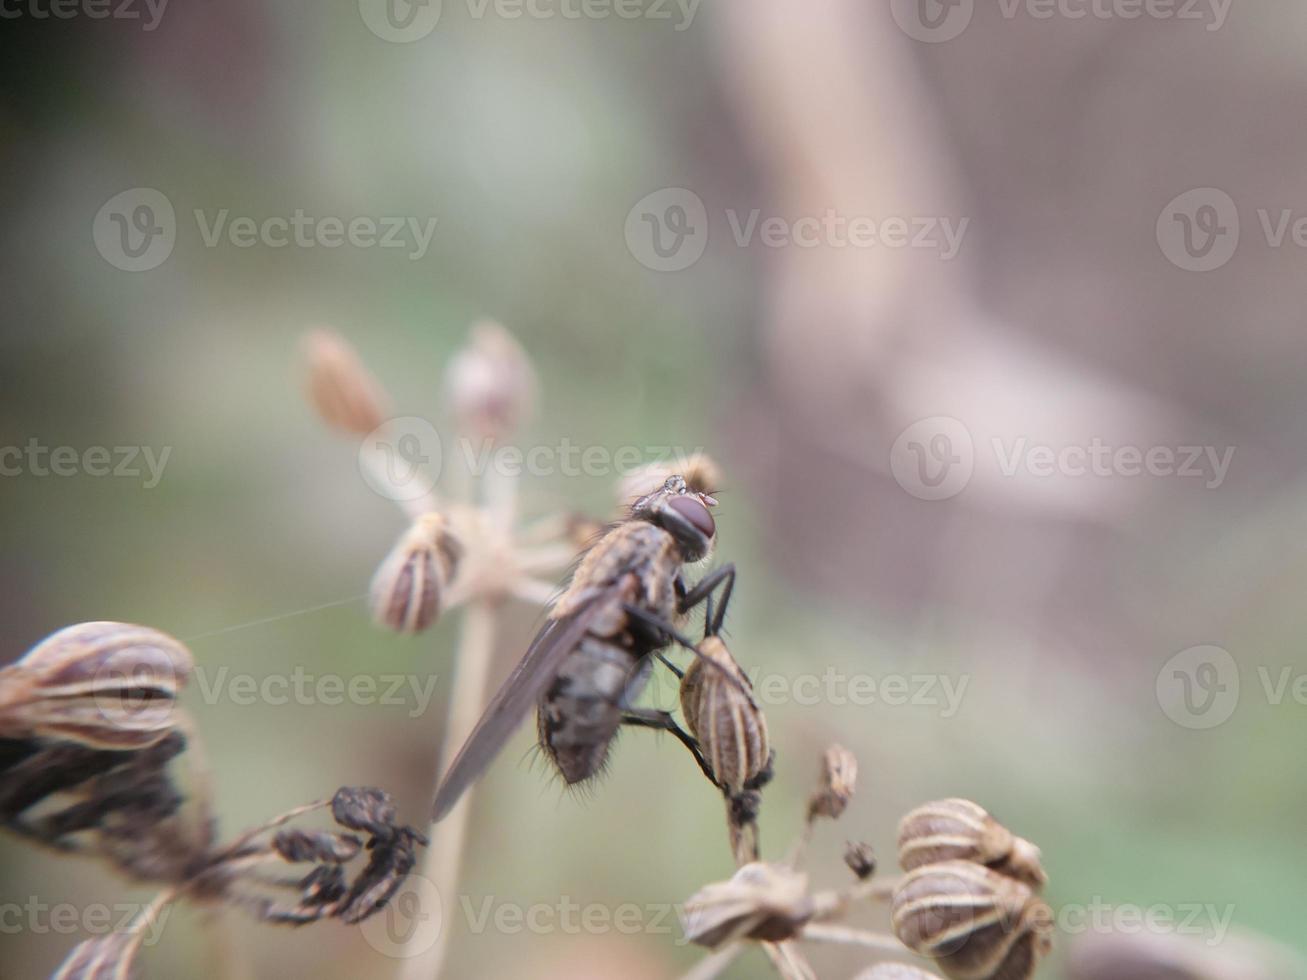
<point>695,514</point>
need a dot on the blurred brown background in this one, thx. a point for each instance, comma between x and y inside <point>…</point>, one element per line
<point>1066,318</point>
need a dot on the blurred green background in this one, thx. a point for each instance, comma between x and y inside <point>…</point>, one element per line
<point>530,140</point>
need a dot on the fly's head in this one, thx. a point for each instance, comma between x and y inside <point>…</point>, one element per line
<point>683,513</point>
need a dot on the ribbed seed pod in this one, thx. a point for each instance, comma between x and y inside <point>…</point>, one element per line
<point>408,589</point>
<point>727,721</point>
<point>954,829</point>
<point>761,901</point>
<point>102,684</point>
<point>975,923</point>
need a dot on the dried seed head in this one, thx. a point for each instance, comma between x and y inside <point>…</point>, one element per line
<point>860,858</point>
<point>408,589</point>
<point>490,384</point>
<point>839,777</point>
<point>306,845</point>
<point>102,684</point>
<point>761,901</point>
<point>961,830</point>
<point>701,474</point>
<point>975,923</point>
<point>726,720</point>
<point>346,396</point>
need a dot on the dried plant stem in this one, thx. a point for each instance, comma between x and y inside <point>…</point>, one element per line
<point>848,936</point>
<point>712,966</point>
<point>788,961</point>
<point>440,866</point>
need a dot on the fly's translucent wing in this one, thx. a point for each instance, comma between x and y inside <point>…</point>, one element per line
<point>515,699</point>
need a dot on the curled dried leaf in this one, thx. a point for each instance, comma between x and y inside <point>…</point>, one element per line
<point>304,845</point>
<point>365,808</point>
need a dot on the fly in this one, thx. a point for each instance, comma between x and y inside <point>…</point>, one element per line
<point>591,660</point>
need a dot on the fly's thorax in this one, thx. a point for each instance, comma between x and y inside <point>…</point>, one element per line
<point>637,550</point>
<point>717,702</point>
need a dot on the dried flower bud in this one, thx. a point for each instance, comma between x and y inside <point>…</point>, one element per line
<point>839,777</point>
<point>976,924</point>
<point>961,830</point>
<point>860,858</point>
<point>345,394</point>
<point>408,588</point>
<point>724,717</point>
<point>761,901</point>
<point>102,684</point>
<point>490,383</point>
<point>305,845</point>
<point>701,473</point>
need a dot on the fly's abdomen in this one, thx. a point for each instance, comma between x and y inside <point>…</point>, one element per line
<point>581,711</point>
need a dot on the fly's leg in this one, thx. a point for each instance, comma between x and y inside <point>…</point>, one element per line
<point>664,722</point>
<point>668,630</point>
<point>662,658</point>
<point>725,577</point>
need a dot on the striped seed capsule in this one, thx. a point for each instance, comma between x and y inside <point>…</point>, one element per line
<point>975,923</point>
<point>955,829</point>
<point>408,589</point>
<point>726,721</point>
<point>102,684</point>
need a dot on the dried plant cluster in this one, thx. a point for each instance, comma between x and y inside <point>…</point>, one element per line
<point>969,901</point>
<point>91,735</point>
